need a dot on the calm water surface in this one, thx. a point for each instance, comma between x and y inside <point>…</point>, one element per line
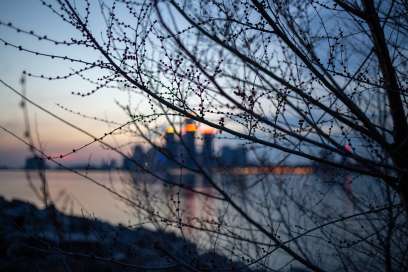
<point>75,194</point>
<point>270,200</point>
<point>71,193</point>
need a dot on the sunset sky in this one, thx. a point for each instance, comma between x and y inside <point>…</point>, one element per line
<point>55,136</point>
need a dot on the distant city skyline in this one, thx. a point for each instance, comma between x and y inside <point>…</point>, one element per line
<point>181,150</point>
<point>55,137</point>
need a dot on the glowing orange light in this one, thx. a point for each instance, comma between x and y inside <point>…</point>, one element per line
<point>169,130</point>
<point>190,128</point>
<point>208,131</point>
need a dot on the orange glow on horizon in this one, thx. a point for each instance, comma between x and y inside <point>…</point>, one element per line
<point>190,128</point>
<point>208,131</point>
<point>277,170</point>
<point>169,130</point>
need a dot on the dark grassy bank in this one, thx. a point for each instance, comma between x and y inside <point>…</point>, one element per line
<point>33,239</point>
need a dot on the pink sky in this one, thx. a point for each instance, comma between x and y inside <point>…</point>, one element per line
<point>56,137</point>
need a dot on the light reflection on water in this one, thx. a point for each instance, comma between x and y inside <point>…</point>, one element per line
<point>70,193</point>
<point>282,203</point>
<point>77,195</point>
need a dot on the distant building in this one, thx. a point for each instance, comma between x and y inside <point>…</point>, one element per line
<point>231,157</point>
<point>137,157</point>
<point>35,162</point>
<point>188,148</point>
<point>184,151</point>
<point>155,159</point>
<point>227,156</point>
<point>108,165</point>
<point>207,153</point>
<point>240,156</point>
<point>171,147</point>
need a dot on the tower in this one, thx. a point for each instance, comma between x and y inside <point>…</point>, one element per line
<point>188,146</point>
<point>207,155</point>
<point>171,147</point>
<point>137,157</point>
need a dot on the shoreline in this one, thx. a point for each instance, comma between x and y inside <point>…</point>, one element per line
<point>52,240</point>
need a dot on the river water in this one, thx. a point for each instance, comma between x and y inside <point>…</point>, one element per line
<point>287,205</point>
<point>78,195</point>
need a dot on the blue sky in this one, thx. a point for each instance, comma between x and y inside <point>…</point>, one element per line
<point>56,137</point>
